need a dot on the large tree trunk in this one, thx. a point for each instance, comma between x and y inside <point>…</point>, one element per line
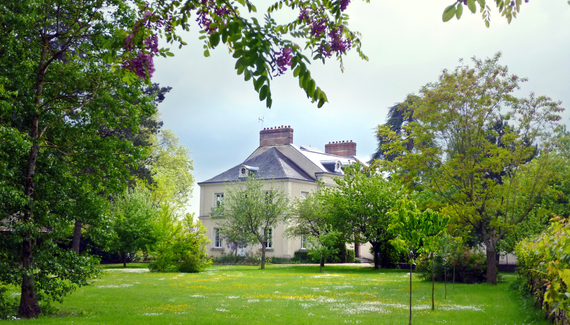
<point>124,258</point>
<point>29,306</point>
<point>491,243</point>
<point>322,261</point>
<point>76,237</point>
<point>263,255</point>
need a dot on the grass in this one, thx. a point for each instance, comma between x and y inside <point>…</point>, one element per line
<point>285,294</point>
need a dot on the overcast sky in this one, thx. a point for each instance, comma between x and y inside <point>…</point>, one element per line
<point>215,113</point>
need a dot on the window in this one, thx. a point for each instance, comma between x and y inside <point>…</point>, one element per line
<point>269,238</point>
<point>219,199</point>
<point>304,195</point>
<point>304,242</point>
<point>217,238</point>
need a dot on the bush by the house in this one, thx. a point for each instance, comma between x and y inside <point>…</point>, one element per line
<point>350,255</point>
<point>544,269</point>
<point>470,267</point>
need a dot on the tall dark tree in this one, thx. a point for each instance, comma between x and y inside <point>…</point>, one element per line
<point>56,95</point>
<point>398,117</point>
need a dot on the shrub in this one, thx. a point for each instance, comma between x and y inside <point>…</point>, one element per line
<point>302,256</point>
<point>544,269</point>
<point>350,255</point>
<point>8,304</point>
<point>470,267</point>
<point>181,244</point>
<point>191,264</point>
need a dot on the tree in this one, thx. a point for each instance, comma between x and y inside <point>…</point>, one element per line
<point>323,244</point>
<point>253,210</point>
<point>410,228</point>
<point>170,170</point>
<point>398,117</point>
<point>133,216</point>
<point>359,207</point>
<point>490,178</point>
<point>309,217</point>
<point>56,167</point>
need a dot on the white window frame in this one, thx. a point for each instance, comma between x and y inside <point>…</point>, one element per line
<point>269,243</point>
<point>304,242</point>
<point>218,238</point>
<point>218,199</point>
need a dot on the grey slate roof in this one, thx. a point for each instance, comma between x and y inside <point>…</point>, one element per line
<point>272,164</point>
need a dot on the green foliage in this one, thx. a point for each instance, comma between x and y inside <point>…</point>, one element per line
<point>56,96</point>
<point>181,244</point>
<point>258,43</point>
<point>507,8</point>
<point>412,227</point>
<point>8,304</point>
<point>133,215</point>
<point>350,254</point>
<point>323,245</point>
<point>487,156</point>
<point>544,266</point>
<point>301,256</point>
<point>470,267</point>
<point>171,166</point>
<point>359,205</point>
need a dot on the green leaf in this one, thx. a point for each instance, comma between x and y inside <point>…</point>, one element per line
<point>297,71</point>
<point>169,53</point>
<point>471,5</point>
<point>448,13</point>
<point>459,11</point>
<point>263,92</point>
<point>215,39</point>
<point>482,4</point>
<point>259,82</point>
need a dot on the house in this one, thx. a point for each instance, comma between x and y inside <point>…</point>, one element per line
<point>296,170</point>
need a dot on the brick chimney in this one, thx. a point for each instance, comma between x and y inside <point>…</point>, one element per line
<point>275,136</point>
<point>341,148</point>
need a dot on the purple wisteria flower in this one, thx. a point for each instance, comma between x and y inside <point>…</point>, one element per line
<point>283,60</point>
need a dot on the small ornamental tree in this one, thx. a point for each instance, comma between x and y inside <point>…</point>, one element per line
<point>359,206</point>
<point>323,244</point>
<point>309,217</point>
<point>252,209</point>
<point>133,217</point>
<point>410,227</point>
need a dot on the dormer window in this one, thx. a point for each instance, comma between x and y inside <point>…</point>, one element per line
<point>338,167</point>
<point>246,171</point>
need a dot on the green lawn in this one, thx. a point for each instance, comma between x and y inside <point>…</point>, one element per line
<point>285,294</point>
